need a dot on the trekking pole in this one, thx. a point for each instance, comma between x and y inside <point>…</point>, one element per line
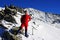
<point>33,29</point>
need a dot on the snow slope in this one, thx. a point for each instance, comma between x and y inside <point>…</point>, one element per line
<point>43,26</point>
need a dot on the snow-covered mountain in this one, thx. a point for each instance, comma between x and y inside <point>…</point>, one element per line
<point>43,25</point>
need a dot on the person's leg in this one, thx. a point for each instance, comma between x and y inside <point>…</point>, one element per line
<point>22,25</point>
<point>26,28</point>
<point>19,29</point>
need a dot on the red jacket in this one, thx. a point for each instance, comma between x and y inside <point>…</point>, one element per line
<point>25,19</point>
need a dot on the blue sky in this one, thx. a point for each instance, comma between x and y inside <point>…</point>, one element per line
<point>43,5</point>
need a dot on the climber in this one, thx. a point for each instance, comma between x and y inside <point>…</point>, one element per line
<point>24,22</point>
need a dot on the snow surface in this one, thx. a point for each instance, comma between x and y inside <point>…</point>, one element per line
<point>42,30</point>
<point>41,26</point>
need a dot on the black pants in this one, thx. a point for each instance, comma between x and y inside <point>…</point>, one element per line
<point>21,29</point>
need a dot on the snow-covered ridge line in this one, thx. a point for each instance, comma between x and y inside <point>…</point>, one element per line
<point>47,17</point>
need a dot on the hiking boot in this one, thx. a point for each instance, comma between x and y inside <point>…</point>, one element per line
<point>26,35</point>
